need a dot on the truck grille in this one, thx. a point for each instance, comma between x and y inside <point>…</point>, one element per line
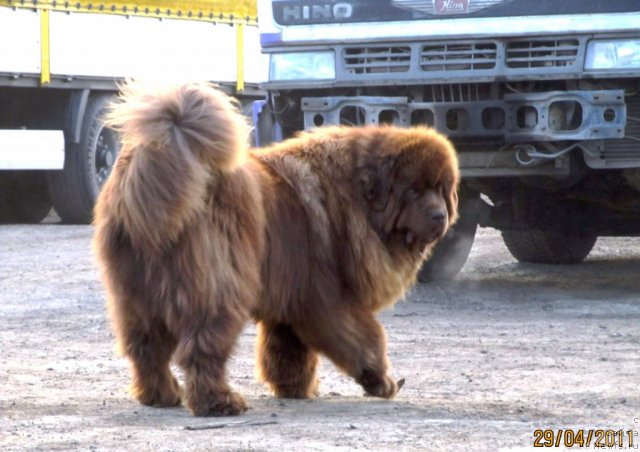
<point>442,57</point>
<point>449,61</point>
<point>542,53</point>
<point>377,60</point>
<point>626,149</point>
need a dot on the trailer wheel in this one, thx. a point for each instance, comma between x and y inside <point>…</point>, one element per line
<point>74,190</point>
<point>450,255</point>
<point>24,197</point>
<point>548,247</point>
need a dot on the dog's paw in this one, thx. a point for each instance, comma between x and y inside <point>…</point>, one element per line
<point>221,404</point>
<point>159,395</point>
<point>379,385</point>
<point>386,388</point>
<point>297,391</point>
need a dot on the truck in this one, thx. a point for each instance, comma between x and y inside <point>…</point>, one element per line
<point>541,99</point>
<point>60,66</point>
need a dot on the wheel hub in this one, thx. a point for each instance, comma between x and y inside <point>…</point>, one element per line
<point>105,156</point>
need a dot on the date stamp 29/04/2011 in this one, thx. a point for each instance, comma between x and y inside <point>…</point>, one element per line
<point>598,438</point>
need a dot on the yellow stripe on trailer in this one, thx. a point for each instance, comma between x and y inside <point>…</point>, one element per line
<point>239,57</point>
<point>45,49</point>
<point>219,11</point>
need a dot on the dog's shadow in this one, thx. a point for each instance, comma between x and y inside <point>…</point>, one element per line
<point>265,411</point>
<point>348,413</point>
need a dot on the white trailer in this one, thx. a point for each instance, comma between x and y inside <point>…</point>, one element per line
<point>60,64</point>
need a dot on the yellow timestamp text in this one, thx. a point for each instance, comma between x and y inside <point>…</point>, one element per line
<point>583,438</point>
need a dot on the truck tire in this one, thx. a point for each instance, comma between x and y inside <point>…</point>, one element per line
<point>548,247</point>
<point>74,190</point>
<point>450,255</point>
<point>24,197</point>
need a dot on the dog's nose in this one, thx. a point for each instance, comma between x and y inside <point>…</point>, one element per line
<point>438,216</point>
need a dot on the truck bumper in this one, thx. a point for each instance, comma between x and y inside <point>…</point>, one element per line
<point>519,117</point>
<point>519,121</point>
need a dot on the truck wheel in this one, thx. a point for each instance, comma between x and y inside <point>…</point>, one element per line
<point>548,247</point>
<point>74,190</point>
<point>24,197</point>
<point>450,255</point>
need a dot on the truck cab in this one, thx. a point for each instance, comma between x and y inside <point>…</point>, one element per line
<point>541,99</point>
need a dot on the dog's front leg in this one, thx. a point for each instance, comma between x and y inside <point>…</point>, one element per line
<point>286,364</point>
<point>355,341</point>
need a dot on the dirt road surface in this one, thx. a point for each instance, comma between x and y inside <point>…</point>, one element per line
<point>504,351</point>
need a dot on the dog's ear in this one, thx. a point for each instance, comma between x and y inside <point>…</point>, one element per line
<point>450,193</point>
<point>376,180</point>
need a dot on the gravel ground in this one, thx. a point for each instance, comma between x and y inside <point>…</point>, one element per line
<point>505,350</point>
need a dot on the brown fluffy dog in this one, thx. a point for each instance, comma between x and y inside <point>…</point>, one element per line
<point>311,237</point>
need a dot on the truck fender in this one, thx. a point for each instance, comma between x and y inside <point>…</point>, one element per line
<point>75,117</point>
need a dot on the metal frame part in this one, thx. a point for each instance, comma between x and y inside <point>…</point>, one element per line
<point>517,117</point>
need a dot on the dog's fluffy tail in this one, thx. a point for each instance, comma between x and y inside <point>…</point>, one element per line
<point>176,141</point>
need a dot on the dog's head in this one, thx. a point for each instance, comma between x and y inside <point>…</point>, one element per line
<point>410,182</point>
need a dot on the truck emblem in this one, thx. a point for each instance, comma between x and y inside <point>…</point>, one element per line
<point>447,7</point>
<point>296,13</point>
<point>451,6</point>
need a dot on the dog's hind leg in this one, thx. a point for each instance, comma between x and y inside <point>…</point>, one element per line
<point>203,351</point>
<point>149,349</point>
<point>286,364</point>
<point>355,341</point>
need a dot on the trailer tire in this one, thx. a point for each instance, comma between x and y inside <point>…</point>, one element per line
<point>74,190</point>
<point>548,247</point>
<point>450,255</point>
<point>24,197</point>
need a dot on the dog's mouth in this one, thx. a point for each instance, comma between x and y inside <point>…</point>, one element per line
<point>411,239</point>
<point>418,244</point>
<point>419,231</point>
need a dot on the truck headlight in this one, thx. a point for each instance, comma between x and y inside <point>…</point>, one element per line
<point>302,66</point>
<point>614,54</point>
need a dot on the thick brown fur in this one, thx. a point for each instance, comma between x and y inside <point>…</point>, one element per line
<point>196,235</point>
